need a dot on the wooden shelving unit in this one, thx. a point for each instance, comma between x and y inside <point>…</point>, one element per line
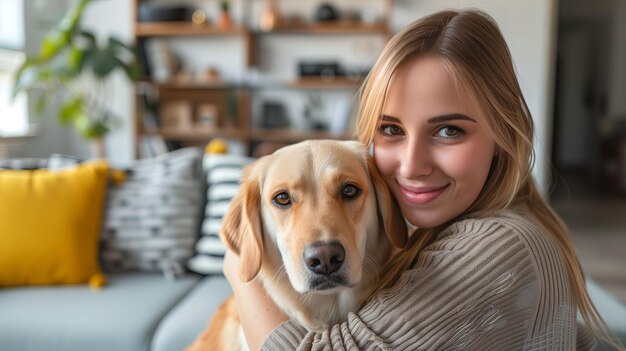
<point>325,83</point>
<point>149,29</point>
<point>232,100</point>
<point>341,27</point>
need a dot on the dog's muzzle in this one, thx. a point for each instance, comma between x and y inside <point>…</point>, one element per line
<point>324,260</point>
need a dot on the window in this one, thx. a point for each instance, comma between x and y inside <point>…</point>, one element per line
<point>13,114</point>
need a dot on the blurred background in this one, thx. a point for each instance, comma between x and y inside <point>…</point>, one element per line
<point>258,74</point>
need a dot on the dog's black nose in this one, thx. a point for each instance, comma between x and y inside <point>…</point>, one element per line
<point>324,257</point>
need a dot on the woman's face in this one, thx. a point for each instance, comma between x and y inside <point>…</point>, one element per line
<point>432,148</point>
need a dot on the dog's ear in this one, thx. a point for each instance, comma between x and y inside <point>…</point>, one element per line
<point>388,208</point>
<point>241,228</point>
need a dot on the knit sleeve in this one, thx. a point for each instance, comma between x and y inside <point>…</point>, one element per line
<point>489,284</point>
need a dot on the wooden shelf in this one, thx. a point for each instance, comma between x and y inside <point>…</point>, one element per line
<point>341,27</point>
<point>196,85</point>
<point>200,134</point>
<point>148,29</point>
<point>319,83</point>
<point>289,135</point>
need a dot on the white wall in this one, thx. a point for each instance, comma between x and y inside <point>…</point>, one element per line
<point>528,26</point>
<point>113,18</point>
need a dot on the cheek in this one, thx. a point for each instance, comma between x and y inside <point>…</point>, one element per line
<point>387,159</point>
<point>470,165</point>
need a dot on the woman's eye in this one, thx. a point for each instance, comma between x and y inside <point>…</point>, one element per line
<point>350,191</point>
<point>391,130</point>
<point>282,200</point>
<point>449,132</point>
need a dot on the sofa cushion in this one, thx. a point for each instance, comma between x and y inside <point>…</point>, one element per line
<point>151,220</point>
<point>612,311</point>
<point>50,225</point>
<point>223,173</point>
<point>190,317</point>
<point>123,316</point>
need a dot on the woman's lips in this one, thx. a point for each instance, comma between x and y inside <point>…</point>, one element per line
<point>421,196</point>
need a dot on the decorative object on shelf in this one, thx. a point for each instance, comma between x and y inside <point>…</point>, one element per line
<point>270,17</point>
<point>207,116</point>
<point>151,12</point>
<point>210,75</point>
<point>274,115</point>
<point>199,17</point>
<point>176,115</point>
<point>163,64</point>
<point>225,20</point>
<point>326,13</point>
<point>73,68</point>
<point>314,111</point>
<point>325,71</point>
<point>317,68</point>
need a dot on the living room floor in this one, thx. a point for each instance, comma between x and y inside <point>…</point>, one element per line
<point>597,221</point>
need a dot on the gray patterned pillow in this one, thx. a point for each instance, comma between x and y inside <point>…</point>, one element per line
<point>223,174</point>
<point>151,220</point>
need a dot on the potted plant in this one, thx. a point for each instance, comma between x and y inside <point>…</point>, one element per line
<point>225,21</point>
<point>74,69</point>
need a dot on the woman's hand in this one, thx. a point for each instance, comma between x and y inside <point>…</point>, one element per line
<point>258,313</point>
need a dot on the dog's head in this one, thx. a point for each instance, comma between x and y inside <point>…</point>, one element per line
<point>322,207</point>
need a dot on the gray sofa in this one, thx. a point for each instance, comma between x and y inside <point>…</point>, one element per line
<point>136,311</point>
<point>148,304</point>
<point>140,311</point>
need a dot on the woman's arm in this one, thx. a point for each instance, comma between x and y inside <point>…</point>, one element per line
<point>258,314</point>
<point>486,286</point>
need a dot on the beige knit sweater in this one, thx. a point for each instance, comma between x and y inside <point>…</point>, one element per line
<point>485,284</point>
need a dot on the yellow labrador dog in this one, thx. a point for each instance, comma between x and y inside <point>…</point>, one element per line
<point>313,222</point>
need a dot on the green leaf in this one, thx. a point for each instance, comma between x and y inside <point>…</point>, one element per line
<point>61,36</point>
<point>132,70</point>
<point>72,111</point>
<point>89,38</point>
<point>116,43</point>
<point>75,59</point>
<point>42,102</point>
<point>30,78</point>
<point>51,45</point>
<point>103,63</point>
<point>90,129</point>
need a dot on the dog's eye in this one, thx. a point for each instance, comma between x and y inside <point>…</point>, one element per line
<point>282,200</point>
<point>350,191</point>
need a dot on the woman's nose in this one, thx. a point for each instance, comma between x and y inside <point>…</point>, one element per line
<point>416,160</point>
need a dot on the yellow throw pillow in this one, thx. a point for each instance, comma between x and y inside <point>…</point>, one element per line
<point>50,225</point>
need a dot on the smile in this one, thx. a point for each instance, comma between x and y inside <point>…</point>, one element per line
<point>421,196</point>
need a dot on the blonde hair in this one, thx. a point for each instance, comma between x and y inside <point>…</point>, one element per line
<point>472,48</point>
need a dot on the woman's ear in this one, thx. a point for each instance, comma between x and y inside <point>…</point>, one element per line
<point>241,228</point>
<point>389,211</point>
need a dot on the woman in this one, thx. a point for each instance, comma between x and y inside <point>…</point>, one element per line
<point>491,266</point>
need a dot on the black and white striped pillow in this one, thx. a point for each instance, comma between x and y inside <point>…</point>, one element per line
<point>151,220</point>
<point>223,173</point>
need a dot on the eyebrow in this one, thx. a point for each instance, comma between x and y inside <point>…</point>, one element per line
<point>436,119</point>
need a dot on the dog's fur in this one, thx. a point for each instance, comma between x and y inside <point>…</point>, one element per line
<point>271,240</point>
